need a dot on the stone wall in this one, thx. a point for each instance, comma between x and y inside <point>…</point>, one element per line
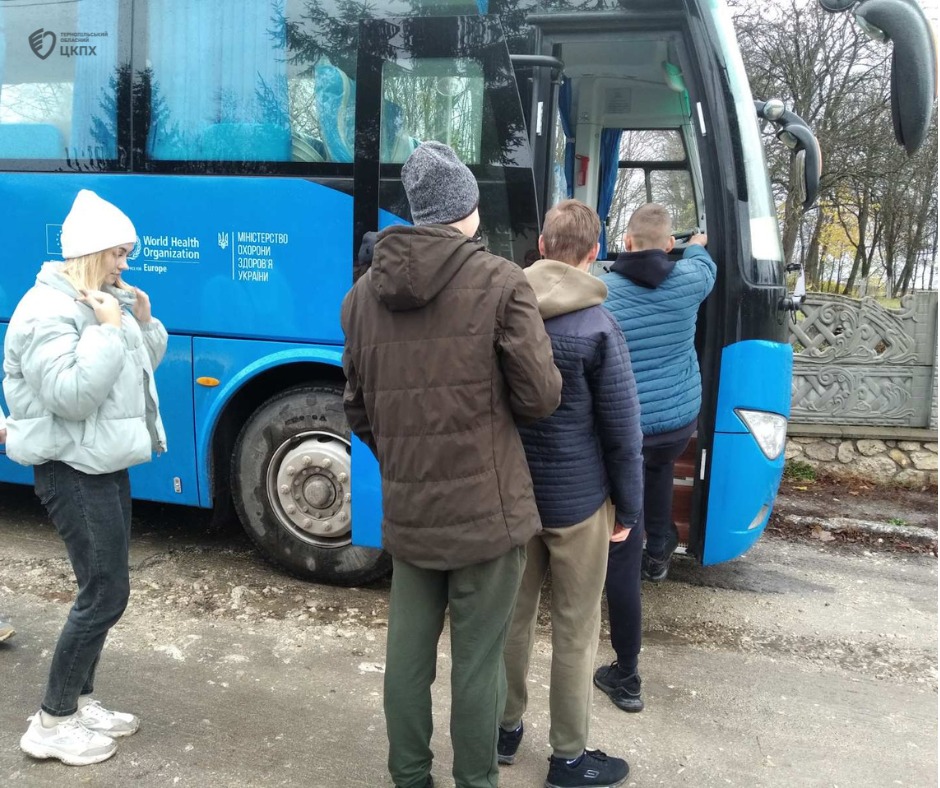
<point>857,363</point>
<point>904,462</point>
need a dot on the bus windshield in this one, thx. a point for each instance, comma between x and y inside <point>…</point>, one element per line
<point>765,237</point>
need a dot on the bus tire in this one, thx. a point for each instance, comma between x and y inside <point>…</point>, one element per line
<point>290,485</point>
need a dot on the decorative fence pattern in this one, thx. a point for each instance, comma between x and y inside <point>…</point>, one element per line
<point>856,362</point>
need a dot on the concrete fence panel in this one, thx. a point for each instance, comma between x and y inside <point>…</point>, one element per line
<point>859,363</point>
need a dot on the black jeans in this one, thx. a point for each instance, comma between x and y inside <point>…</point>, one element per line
<point>660,453</point>
<point>92,514</point>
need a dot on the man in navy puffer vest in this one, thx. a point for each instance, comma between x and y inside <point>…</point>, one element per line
<point>656,301</point>
<point>586,467</point>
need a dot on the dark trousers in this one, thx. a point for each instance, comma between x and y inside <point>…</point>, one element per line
<point>623,598</point>
<point>624,606</point>
<point>480,599</point>
<point>92,514</point>
<point>660,453</point>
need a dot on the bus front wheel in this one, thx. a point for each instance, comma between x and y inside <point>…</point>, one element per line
<point>291,474</point>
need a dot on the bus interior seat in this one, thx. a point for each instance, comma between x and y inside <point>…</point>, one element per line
<point>246,142</point>
<point>336,108</point>
<point>335,99</point>
<point>31,141</point>
<point>307,148</point>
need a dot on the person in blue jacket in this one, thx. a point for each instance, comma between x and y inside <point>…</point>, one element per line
<point>587,467</point>
<point>655,299</point>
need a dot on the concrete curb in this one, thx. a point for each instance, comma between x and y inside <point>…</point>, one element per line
<point>913,532</point>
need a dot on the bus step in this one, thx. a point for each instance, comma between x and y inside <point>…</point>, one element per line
<point>683,486</point>
<point>681,510</point>
<point>685,465</point>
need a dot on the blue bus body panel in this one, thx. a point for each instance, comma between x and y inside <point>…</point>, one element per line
<point>265,258</point>
<point>366,497</point>
<point>756,375</point>
<point>156,480</point>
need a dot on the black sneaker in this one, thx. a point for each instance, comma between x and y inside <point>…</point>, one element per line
<point>623,690</point>
<point>507,744</point>
<point>593,769</point>
<point>655,568</point>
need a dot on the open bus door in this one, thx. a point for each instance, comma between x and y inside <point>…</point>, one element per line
<point>540,78</point>
<point>448,79</point>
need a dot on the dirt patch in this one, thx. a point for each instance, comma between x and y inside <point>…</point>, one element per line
<point>827,498</point>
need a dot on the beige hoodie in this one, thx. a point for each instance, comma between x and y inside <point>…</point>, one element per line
<point>561,288</point>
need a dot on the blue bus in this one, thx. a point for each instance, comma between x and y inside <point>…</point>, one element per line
<point>256,144</point>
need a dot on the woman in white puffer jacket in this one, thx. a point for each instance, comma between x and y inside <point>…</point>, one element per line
<point>78,365</point>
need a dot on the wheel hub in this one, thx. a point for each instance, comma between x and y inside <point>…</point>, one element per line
<point>309,484</point>
<point>319,492</point>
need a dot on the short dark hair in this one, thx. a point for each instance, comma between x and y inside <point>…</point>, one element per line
<point>650,226</point>
<point>571,229</point>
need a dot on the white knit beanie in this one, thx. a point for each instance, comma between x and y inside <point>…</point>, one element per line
<point>94,225</point>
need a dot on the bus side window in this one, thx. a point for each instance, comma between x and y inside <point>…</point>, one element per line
<point>217,73</point>
<point>58,91</point>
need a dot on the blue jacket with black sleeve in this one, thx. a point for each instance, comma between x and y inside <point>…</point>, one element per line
<point>590,448</point>
<point>656,300</point>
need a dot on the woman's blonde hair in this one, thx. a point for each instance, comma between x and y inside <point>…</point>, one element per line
<point>89,271</point>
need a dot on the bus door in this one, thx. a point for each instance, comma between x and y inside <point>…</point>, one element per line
<point>540,78</point>
<point>448,79</point>
<point>627,131</point>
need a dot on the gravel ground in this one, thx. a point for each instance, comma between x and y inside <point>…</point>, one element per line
<point>805,662</point>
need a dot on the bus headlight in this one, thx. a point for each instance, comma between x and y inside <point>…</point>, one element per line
<point>768,429</point>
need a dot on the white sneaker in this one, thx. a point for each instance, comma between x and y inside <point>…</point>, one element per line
<point>97,718</point>
<point>69,741</point>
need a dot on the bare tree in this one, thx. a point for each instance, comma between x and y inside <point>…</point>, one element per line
<point>838,81</point>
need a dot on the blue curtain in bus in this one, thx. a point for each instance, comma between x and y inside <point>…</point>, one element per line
<point>564,113</point>
<point>218,80</point>
<point>483,6</point>
<point>610,158</point>
<point>94,94</point>
<point>335,99</point>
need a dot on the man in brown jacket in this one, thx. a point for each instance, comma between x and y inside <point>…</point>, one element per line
<point>445,352</point>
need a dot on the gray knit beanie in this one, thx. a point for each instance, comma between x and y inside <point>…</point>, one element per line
<point>440,188</point>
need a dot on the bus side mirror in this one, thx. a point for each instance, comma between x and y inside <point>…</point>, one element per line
<point>793,132</point>
<point>913,61</point>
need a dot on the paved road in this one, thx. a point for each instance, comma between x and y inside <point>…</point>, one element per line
<point>797,665</point>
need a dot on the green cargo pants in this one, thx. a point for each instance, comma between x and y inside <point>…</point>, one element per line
<point>480,599</point>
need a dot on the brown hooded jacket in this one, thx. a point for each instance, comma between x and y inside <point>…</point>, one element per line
<point>445,352</point>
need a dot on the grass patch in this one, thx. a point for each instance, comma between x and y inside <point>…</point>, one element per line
<point>798,471</point>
